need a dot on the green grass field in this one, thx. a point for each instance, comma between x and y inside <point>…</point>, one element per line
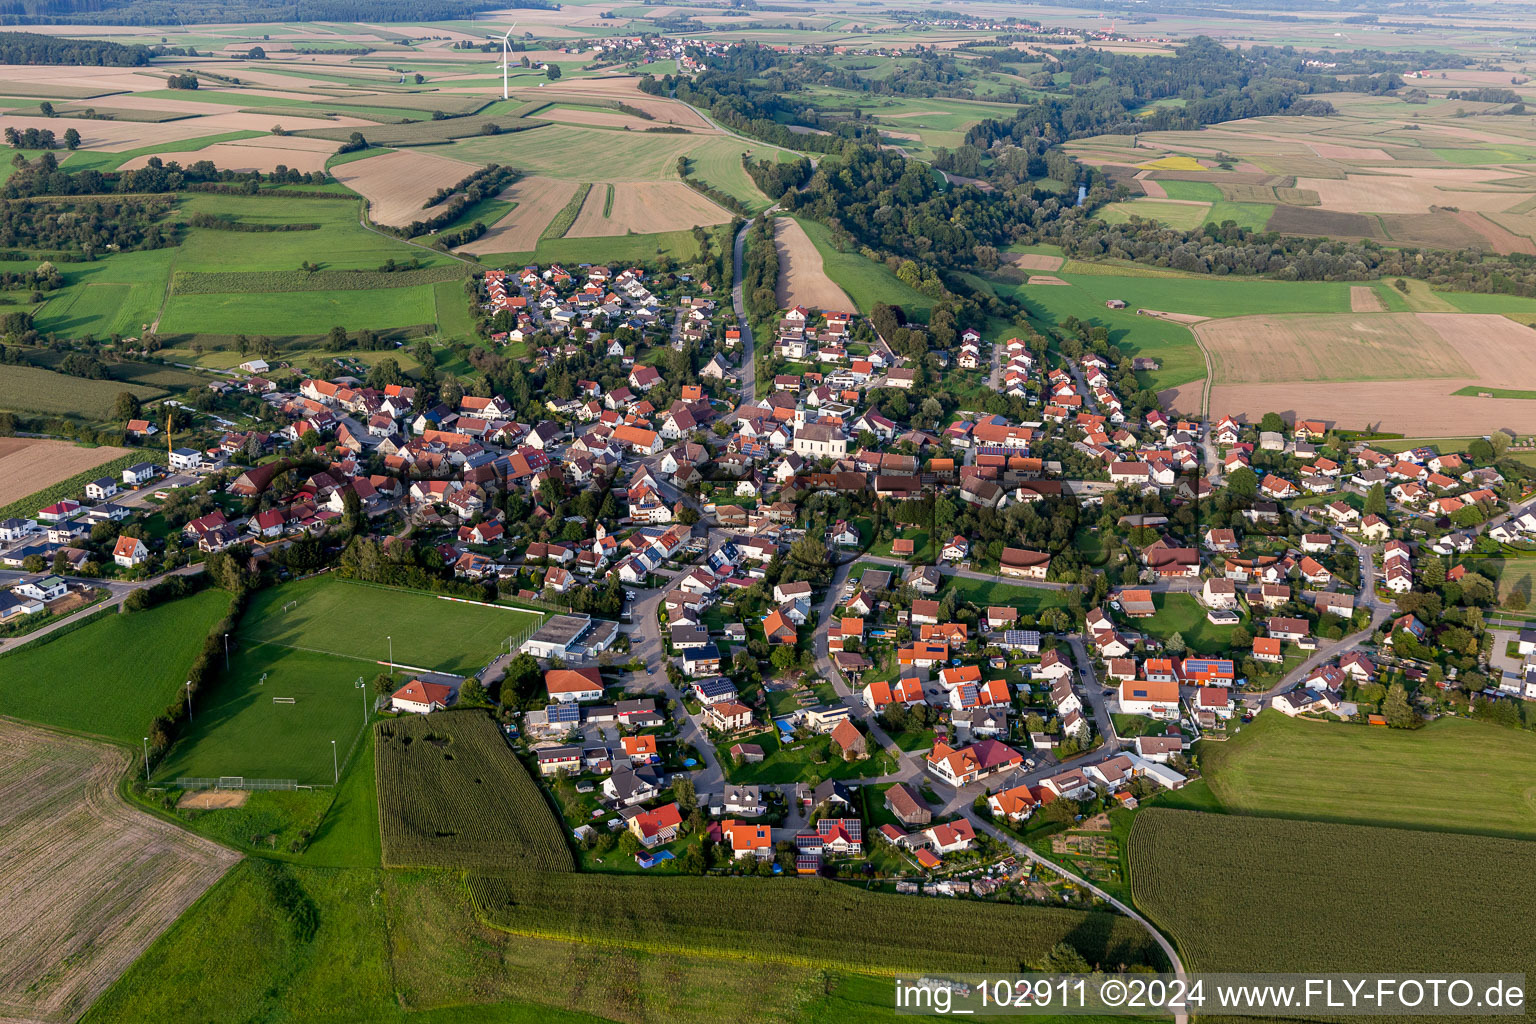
<point>300,312</point>
<point>119,294</point>
<point>352,620</point>
<point>679,245</point>
<point>577,153</point>
<point>238,729</point>
<point>1084,297</point>
<point>1252,216</point>
<point>1452,775</point>
<point>1200,191</point>
<point>865,281</point>
<point>1182,614</point>
<point>113,676</point>
<point>1173,215</point>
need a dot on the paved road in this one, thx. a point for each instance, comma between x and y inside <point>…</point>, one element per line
<point>1024,851</point>
<point>1365,597</point>
<point>746,373</point>
<point>1088,685</point>
<point>118,591</point>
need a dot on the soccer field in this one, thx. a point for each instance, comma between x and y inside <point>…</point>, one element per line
<point>331,615</point>
<point>240,730</point>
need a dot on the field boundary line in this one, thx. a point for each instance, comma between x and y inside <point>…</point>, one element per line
<point>349,657</point>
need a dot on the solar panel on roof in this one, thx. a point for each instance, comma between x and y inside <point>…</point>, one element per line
<point>564,713</point>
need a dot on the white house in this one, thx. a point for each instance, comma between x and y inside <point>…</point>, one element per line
<point>130,551</point>
<point>418,698</point>
<point>186,460</point>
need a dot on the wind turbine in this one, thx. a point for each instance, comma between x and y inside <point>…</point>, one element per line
<point>506,59</point>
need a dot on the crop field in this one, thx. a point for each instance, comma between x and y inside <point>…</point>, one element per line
<point>32,389</point>
<point>1267,770</point>
<point>1173,214</point>
<point>1222,919</point>
<point>31,464</point>
<point>414,953</point>
<point>89,881</point>
<point>803,281</point>
<point>397,184</point>
<point>1394,346</point>
<point>340,243</point>
<point>644,208</point>
<point>259,154</point>
<point>863,280</point>
<point>1398,371</point>
<point>432,815</point>
<point>429,632</point>
<point>583,153</point>
<point>808,923</point>
<point>535,201</point>
<point>1169,342</point>
<point>119,697</point>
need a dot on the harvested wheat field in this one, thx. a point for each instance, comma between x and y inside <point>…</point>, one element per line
<point>538,200</point>
<point>117,136</point>
<point>263,154</point>
<point>625,89</point>
<point>1329,347</point>
<point>1154,189</point>
<point>89,882</point>
<point>1362,193</point>
<point>587,116</point>
<point>643,208</point>
<point>29,464</point>
<point>802,279</point>
<point>1363,299</point>
<point>1046,279</point>
<point>1033,261</point>
<point>397,184</point>
<point>1417,408</point>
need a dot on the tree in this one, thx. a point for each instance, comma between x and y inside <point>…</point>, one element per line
<point>1175,644</point>
<point>46,109</point>
<point>336,341</point>
<point>71,139</point>
<point>126,406</point>
<point>552,71</point>
<point>1398,713</point>
<point>1432,573</point>
<point>472,694</point>
<point>683,793</point>
<point>1376,500</point>
<point>1242,482</point>
<point>256,53</point>
<point>783,658</point>
<point>1064,958</point>
<point>1272,423</point>
<point>1480,450</point>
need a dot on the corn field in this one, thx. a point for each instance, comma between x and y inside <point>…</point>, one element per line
<point>1240,893</point>
<point>453,794</point>
<point>803,921</point>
